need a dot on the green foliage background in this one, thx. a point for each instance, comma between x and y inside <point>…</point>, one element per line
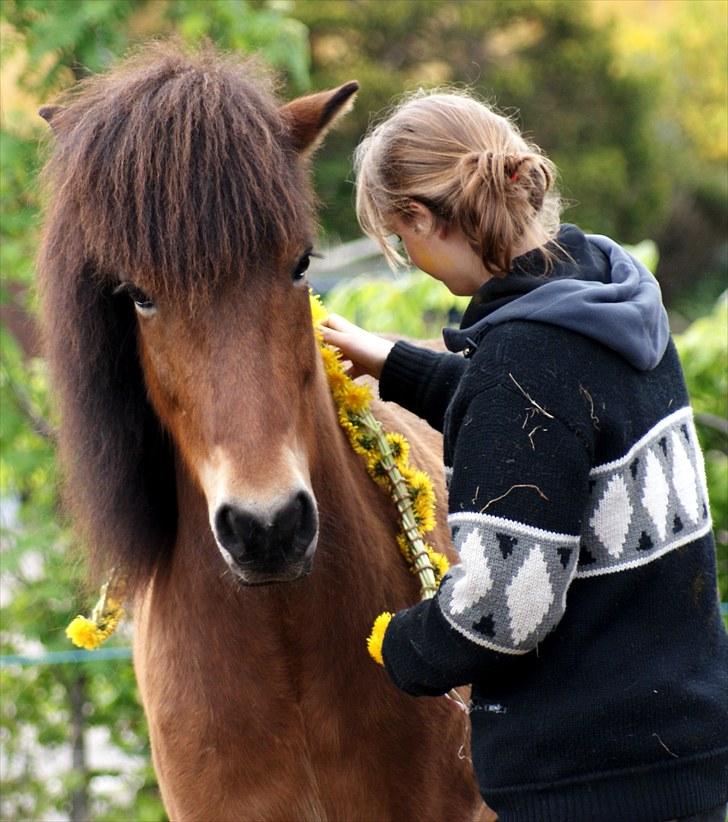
<point>634,114</point>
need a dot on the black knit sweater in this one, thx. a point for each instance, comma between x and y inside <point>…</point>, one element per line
<point>584,610</point>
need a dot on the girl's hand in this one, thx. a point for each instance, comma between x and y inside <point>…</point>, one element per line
<point>366,351</point>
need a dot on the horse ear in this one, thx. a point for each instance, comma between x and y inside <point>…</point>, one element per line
<point>49,113</point>
<point>312,116</point>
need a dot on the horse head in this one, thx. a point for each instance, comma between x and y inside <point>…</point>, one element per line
<point>176,308</point>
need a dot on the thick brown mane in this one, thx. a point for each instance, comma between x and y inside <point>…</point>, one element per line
<point>178,168</point>
<point>176,171</point>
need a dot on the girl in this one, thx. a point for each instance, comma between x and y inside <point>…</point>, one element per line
<point>584,610</point>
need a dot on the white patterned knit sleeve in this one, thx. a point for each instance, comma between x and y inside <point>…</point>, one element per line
<point>516,509</point>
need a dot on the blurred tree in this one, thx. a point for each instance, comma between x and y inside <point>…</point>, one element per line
<point>46,709</point>
<point>684,47</point>
<point>63,40</point>
<point>548,60</point>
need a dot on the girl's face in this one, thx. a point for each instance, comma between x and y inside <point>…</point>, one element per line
<point>443,253</point>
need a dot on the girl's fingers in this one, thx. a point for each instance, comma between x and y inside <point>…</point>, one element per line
<point>340,324</point>
<point>335,338</point>
<point>328,333</point>
<point>366,351</point>
<point>348,343</point>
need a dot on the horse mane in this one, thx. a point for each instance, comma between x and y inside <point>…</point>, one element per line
<point>179,168</point>
<point>174,170</point>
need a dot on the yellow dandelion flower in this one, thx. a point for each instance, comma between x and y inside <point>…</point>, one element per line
<point>407,473</point>
<point>376,469</point>
<point>404,547</point>
<point>354,397</point>
<point>419,482</point>
<point>106,615</point>
<point>318,310</point>
<point>439,562</point>
<point>376,637</point>
<point>367,442</point>
<point>337,380</point>
<point>424,516</point>
<point>111,617</point>
<point>347,421</point>
<point>374,462</point>
<point>357,446</point>
<point>399,447</point>
<point>331,360</point>
<point>423,500</point>
<point>84,633</point>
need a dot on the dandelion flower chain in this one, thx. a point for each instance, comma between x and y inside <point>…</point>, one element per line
<point>386,457</point>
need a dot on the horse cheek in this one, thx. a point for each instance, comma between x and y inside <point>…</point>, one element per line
<point>168,393</point>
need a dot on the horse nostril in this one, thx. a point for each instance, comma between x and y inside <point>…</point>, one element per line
<point>309,521</point>
<point>248,538</point>
<point>235,529</point>
<point>296,521</point>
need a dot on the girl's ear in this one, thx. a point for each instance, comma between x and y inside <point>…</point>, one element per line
<point>422,220</point>
<point>310,118</point>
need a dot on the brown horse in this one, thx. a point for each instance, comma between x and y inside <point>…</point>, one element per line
<point>203,457</point>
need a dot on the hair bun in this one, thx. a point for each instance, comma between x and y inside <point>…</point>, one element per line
<point>538,177</point>
<point>508,174</point>
<point>484,167</point>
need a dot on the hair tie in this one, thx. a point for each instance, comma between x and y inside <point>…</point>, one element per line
<point>513,177</point>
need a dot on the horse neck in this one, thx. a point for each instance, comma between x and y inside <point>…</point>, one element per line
<point>357,519</point>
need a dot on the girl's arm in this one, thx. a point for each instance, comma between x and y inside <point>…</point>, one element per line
<point>419,380</point>
<point>516,500</point>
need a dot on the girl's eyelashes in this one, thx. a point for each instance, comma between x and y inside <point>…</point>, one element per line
<point>143,303</point>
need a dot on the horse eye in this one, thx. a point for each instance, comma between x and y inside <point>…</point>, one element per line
<point>143,303</point>
<point>299,272</point>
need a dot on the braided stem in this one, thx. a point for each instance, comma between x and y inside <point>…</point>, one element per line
<point>403,501</point>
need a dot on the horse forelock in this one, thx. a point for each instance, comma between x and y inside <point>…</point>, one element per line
<point>179,169</point>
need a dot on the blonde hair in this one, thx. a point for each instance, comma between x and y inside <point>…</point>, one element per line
<point>465,162</point>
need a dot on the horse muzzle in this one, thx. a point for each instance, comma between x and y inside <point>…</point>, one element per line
<point>264,547</point>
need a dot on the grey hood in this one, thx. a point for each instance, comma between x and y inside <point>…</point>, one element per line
<point>602,292</point>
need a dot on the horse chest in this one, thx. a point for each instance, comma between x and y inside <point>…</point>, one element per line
<point>267,758</point>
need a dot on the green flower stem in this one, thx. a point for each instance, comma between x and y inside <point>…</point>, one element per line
<point>99,611</point>
<point>403,501</point>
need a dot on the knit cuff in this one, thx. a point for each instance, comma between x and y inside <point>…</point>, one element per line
<point>406,668</point>
<point>425,656</point>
